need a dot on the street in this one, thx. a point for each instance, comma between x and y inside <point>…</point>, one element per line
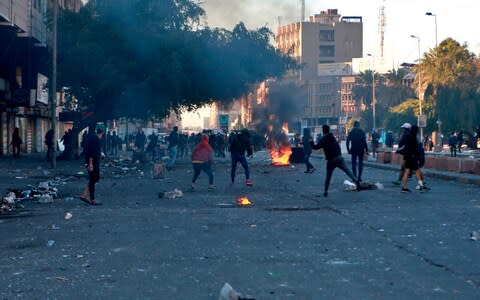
<point>291,243</point>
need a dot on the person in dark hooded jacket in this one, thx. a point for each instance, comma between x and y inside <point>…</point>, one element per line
<point>239,144</point>
<point>333,154</point>
<point>356,147</point>
<point>202,159</point>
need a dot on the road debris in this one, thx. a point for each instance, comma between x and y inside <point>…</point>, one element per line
<point>475,235</point>
<point>228,293</point>
<point>68,216</point>
<point>176,193</point>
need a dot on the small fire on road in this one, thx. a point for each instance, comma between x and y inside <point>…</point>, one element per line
<point>243,201</point>
<point>279,147</point>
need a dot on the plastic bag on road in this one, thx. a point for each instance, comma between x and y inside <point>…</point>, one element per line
<point>349,186</point>
<point>176,193</point>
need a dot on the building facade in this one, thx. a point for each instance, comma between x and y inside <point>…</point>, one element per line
<point>24,70</point>
<point>324,46</point>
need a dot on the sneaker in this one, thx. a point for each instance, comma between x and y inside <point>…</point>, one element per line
<point>307,171</point>
<point>312,170</point>
<point>406,190</point>
<point>249,182</point>
<point>359,187</point>
<point>211,187</point>
<point>325,194</point>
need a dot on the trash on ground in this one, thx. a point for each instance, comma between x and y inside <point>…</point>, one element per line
<point>349,186</point>
<point>68,216</point>
<point>176,193</point>
<point>228,293</point>
<point>50,243</point>
<point>475,236</point>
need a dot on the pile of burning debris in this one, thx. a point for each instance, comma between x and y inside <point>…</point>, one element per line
<point>44,192</point>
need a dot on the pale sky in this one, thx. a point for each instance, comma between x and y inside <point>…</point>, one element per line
<point>458,19</point>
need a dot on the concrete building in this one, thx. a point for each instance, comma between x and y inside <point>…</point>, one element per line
<point>24,70</point>
<point>325,46</point>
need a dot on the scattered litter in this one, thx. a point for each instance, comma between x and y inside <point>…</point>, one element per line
<point>349,186</point>
<point>45,199</point>
<point>50,243</point>
<point>19,177</point>
<point>228,293</point>
<point>176,193</point>
<point>475,236</point>
<point>61,278</point>
<point>379,185</point>
<point>55,227</point>
<point>68,216</point>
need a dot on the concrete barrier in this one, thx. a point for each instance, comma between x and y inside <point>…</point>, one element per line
<point>467,166</point>
<point>453,164</point>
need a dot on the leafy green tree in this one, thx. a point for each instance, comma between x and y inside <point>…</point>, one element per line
<point>143,58</point>
<point>450,81</point>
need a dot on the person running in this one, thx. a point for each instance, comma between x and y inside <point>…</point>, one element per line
<point>307,149</point>
<point>333,154</point>
<point>239,143</point>
<point>356,147</point>
<point>202,159</point>
<point>93,151</point>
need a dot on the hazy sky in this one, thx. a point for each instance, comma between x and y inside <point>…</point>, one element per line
<point>456,19</point>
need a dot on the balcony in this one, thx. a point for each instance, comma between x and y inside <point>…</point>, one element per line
<point>27,20</point>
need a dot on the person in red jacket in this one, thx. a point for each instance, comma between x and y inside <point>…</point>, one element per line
<point>202,159</point>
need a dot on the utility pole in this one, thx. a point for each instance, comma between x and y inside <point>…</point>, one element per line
<point>53,86</point>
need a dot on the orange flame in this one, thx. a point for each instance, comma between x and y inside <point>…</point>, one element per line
<point>281,156</point>
<point>243,201</point>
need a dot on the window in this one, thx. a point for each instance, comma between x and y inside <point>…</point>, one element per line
<point>327,35</point>
<point>327,51</point>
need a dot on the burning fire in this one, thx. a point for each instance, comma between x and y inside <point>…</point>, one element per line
<point>280,148</point>
<point>243,201</point>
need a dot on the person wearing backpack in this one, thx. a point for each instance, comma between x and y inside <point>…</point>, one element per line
<point>239,143</point>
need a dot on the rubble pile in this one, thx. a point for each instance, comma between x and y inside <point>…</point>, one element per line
<point>44,192</point>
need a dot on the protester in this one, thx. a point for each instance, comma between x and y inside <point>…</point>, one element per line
<point>16,142</point>
<point>49,137</point>
<point>389,140</point>
<point>152,144</point>
<point>172,148</point>
<point>114,142</point>
<point>202,159</point>
<point>239,144</point>
<point>356,147</point>
<point>140,140</point>
<point>452,142</point>
<point>307,149</point>
<point>333,154</point>
<point>408,147</point>
<point>93,150</point>
<point>375,142</point>
<point>460,140</point>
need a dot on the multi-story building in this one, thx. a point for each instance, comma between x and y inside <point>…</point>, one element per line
<point>324,46</point>
<point>24,70</point>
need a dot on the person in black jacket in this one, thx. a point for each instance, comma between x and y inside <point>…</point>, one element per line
<point>93,151</point>
<point>408,147</point>
<point>356,147</point>
<point>239,143</point>
<point>333,154</point>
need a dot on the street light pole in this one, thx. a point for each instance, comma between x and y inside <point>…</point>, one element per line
<point>420,96</point>
<point>53,87</point>
<point>374,99</point>
<point>436,33</point>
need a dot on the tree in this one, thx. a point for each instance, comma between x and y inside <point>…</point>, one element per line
<point>450,80</point>
<point>141,58</point>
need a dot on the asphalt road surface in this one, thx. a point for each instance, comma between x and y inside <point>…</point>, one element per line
<point>291,243</point>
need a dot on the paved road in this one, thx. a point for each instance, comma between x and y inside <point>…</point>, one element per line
<point>291,244</point>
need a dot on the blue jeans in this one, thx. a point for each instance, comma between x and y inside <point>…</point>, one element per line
<point>239,158</point>
<point>172,154</point>
<point>358,156</point>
